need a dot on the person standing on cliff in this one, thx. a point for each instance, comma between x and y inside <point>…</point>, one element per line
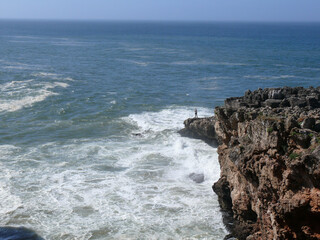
<point>195,113</point>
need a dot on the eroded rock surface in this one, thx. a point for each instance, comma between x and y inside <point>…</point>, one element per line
<point>269,154</point>
<point>199,128</point>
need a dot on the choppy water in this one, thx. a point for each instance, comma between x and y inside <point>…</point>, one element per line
<point>74,95</point>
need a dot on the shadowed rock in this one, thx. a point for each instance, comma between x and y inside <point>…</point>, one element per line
<point>197,177</point>
<point>277,97</point>
<point>201,128</point>
<point>137,134</point>
<point>21,233</point>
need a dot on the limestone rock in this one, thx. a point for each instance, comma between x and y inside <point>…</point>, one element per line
<point>199,128</point>
<point>269,155</point>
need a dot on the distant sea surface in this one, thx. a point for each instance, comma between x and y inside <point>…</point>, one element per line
<point>89,113</point>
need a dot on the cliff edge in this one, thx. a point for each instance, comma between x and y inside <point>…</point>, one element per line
<point>269,155</point>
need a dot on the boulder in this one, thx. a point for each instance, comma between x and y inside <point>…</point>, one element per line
<point>20,233</point>
<point>197,177</point>
<point>308,123</point>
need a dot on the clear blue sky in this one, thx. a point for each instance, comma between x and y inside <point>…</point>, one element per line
<point>189,10</point>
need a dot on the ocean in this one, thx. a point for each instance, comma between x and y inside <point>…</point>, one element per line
<point>89,114</point>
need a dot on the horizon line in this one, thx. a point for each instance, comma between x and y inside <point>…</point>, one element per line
<point>156,21</point>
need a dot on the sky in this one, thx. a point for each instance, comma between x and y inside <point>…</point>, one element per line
<point>163,10</point>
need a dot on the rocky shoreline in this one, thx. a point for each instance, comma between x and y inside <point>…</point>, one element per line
<point>269,155</point>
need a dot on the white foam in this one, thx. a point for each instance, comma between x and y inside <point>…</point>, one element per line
<point>229,64</point>
<point>210,88</point>
<point>112,93</point>
<point>135,49</point>
<point>311,68</point>
<point>171,118</point>
<point>25,37</point>
<point>15,105</point>
<point>144,64</point>
<point>140,63</point>
<point>280,65</point>
<point>214,78</point>
<point>206,62</point>
<point>18,66</point>
<point>169,50</point>
<point>20,94</point>
<point>9,202</point>
<point>69,43</point>
<point>128,187</point>
<point>23,41</point>
<point>185,63</point>
<point>44,74</point>
<point>262,77</point>
<point>8,150</point>
<point>59,84</point>
<point>54,76</point>
<point>68,79</point>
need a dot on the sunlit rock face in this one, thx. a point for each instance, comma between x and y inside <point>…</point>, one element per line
<point>269,155</point>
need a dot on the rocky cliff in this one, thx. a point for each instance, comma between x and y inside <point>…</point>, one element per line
<point>269,154</point>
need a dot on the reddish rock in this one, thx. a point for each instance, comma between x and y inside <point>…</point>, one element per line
<point>270,162</point>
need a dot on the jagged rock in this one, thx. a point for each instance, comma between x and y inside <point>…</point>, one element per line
<point>313,101</point>
<point>269,155</point>
<point>317,127</point>
<point>199,128</point>
<point>272,103</point>
<point>276,94</point>
<point>229,237</point>
<point>275,97</point>
<point>291,123</point>
<point>308,123</point>
<point>222,189</point>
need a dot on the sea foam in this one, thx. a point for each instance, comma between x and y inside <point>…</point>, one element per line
<point>20,94</point>
<point>265,77</point>
<point>132,187</point>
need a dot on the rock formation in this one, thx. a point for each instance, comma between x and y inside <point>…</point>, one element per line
<point>202,128</point>
<point>197,177</point>
<point>18,233</point>
<point>269,155</point>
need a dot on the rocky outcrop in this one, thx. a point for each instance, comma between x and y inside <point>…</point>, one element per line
<point>202,128</point>
<point>269,154</point>
<point>18,233</point>
<point>197,177</point>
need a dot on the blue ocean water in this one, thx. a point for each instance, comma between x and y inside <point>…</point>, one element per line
<point>90,111</point>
